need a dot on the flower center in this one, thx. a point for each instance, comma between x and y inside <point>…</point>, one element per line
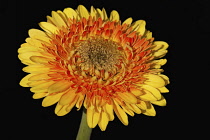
<point>99,54</point>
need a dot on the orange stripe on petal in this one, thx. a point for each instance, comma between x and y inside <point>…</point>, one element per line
<point>59,86</point>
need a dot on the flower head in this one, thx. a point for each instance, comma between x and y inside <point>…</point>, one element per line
<point>88,59</point>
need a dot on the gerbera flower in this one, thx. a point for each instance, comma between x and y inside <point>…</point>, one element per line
<point>88,59</point>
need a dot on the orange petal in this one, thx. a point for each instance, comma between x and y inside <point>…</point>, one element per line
<point>59,86</point>
<point>120,113</point>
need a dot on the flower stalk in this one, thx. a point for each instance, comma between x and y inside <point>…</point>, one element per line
<point>84,132</point>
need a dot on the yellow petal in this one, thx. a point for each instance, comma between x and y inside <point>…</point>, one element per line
<point>68,97</point>
<point>139,26</point>
<point>27,55</point>
<point>58,108</point>
<point>163,90</point>
<point>158,63</point>
<point>96,116</point>
<point>36,69</point>
<point>128,110</point>
<point>58,19</point>
<point>136,91</point>
<point>83,11</point>
<point>39,59</point>
<point>59,86</point>
<point>35,43</point>
<point>103,121</point>
<point>120,113</point>
<point>26,47</point>
<point>160,45</point>
<point>93,12</point>
<point>62,15</point>
<point>24,82</point>
<point>150,111</point>
<point>39,35</point>
<point>51,20</point>
<point>142,105</point>
<point>147,96</point>
<point>48,27</point>
<point>128,21</point>
<point>154,91</point>
<point>35,83</point>
<point>33,33</point>
<point>72,104</point>
<point>160,53</point>
<point>42,87</point>
<point>80,100</point>
<point>50,100</point>
<point>61,111</point>
<point>109,111</point>
<point>128,97</point>
<point>161,102</point>
<point>104,14</point>
<point>100,13</point>
<point>114,16</point>
<point>37,77</point>
<point>148,34</point>
<point>154,80</point>
<point>165,78</point>
<point>90,112</point>
<point>70,13</point>
<point>135,108</point>
<point>39,95</point>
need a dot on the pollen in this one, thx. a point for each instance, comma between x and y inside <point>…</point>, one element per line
<point>99,54</point>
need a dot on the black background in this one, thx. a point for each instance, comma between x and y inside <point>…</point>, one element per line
<point>183,24</point>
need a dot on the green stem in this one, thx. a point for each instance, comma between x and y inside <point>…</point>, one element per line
<point>84,130</point>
